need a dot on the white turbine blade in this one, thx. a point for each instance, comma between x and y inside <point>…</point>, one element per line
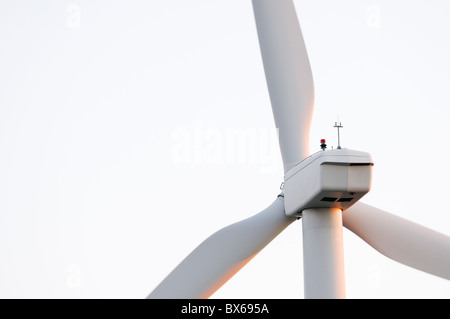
<point>401,240</point>
<point>288,75</point>
<point>223,254</point>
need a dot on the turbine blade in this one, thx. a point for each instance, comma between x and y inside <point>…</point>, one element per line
<point>222,255</point>
<point>401,240</point>
<point>288,75</point>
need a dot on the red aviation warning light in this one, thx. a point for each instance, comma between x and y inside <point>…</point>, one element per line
<point>323,144</point>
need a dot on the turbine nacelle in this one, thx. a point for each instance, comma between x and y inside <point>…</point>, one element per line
<point>328,179</point>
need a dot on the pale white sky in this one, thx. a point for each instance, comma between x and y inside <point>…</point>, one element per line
<point>132,130</point>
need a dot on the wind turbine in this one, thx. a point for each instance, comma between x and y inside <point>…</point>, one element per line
<point>323,190</point>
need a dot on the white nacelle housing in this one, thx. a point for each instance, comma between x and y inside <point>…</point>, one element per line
<point>335,178</point>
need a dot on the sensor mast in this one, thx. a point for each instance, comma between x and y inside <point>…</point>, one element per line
<point>339,136</point>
